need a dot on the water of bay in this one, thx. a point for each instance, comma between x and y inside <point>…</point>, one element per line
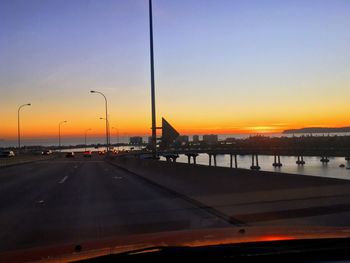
<point>312,166</point>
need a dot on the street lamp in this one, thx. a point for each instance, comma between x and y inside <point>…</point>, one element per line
<point>85,136</point>
<point>107,133</point>
<point>107,125</point>
<point>59,134</point>
<point>19,130</point>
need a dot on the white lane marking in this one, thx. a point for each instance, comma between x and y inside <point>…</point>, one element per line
<point>63,179</point>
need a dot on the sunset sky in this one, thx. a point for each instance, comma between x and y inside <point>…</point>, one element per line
<point>223,66</point>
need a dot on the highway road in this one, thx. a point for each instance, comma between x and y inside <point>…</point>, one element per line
<point>70,200</point>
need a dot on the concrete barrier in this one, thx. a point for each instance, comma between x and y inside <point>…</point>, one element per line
<point>252,197</point>
<point>24,158</point>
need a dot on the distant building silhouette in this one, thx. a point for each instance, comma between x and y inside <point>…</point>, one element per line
<point>136,140</point>
<point>210,138</point>
<point>182,139</point>
<point>230,139</point>
<point>195,138</point>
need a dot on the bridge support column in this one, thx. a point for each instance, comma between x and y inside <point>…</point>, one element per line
<point>192,155</point>
<point>171,157</point>
<point>231,160</point>
<point>300,160</point>
<point>214,159</point>
<point>277,161</point>
<point>255,165</point>
<point>194,159</point>
<point>209,159</point>
<point>324,159</point>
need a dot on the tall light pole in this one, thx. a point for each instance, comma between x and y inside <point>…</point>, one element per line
<point>18,125</point>
<point>85,136</point>
<point>154,127</point>
<point>107,125</point>
<point>107,133</point>
<point>59,134</point>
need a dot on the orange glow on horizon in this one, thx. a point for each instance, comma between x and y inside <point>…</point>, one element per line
<point>67,131</point>
<point>138,123</point>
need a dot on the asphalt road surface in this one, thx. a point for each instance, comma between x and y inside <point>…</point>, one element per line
<point>68,200</point>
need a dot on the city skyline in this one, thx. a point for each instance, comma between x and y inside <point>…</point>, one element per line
<point>268,66</point>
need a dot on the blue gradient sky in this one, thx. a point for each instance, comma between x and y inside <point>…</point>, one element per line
<point>221,66</point>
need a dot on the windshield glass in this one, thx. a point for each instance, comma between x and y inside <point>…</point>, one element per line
<point>135,118</point>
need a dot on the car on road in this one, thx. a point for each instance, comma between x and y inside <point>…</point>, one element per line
<point>69,154</point>
<point>46,152</point>
<point>102,152</point>
<point>87,154</point>
<point>5,154</point>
